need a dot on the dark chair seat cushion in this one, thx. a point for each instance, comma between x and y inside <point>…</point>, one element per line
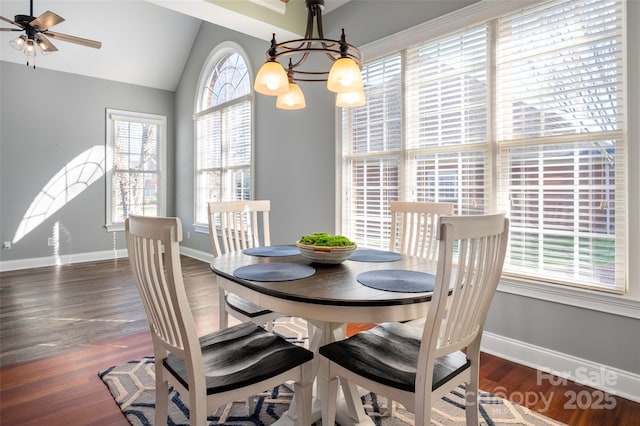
<point>388,354</point>
<point>240,356</point>
<point>245,307</point>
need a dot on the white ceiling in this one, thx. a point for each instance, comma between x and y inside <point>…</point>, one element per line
<point>143,42</point>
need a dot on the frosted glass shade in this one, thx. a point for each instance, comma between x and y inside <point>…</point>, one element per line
<point>293,99</point>
<point>344,76</point>
<point>271,80</point>
<point>351,99</point>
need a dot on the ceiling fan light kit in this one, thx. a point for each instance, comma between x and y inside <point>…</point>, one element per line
<point>35,39</point>
<point>344,76</point>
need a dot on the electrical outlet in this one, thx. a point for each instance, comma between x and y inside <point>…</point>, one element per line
<point>6,245</point>
<point>50,242</point>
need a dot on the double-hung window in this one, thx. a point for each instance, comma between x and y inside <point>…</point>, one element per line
<point>136,166</point>
<point>522,113</point>
<point>223,132</point>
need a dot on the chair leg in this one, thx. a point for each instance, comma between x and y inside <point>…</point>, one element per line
<point>162,398</point>
<point>423,410</point>
<point>471,402</point>
<point>251,404</point>
<point>391,409</point>
<point>472,388</point>
<point>197,410</point>
<point>222,307</point>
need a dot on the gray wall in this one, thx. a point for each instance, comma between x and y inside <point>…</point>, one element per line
<point>600,337</point>
<point>47,118</point>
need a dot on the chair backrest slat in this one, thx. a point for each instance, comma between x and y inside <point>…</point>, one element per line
<point>236,225</point>
<point>414,227</point>
<point>472,251</point>
<point>153,245</point>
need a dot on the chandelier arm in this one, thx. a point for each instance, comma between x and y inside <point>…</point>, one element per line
<point>319,78</point>
<point>303,58</point>
<point>308,32</point>
<point>302,45</point>
<point>305,51</point>
<point>319,21</point>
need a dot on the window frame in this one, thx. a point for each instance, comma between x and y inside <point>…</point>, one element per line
<point>135,117</point>
<point>217,53</point>
<point>626,304</point>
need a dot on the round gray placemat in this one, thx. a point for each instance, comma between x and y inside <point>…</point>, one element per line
<point>272,251</point>
<point>399,280</point>
<point>274,271</point>
<point>371,255</point>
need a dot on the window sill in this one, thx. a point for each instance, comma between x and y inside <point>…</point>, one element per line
<point>202,229</point>
<point>587,299</point>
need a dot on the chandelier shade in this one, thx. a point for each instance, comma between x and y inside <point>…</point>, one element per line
<point>344,74</point>
<point>350,99</point>
<point>293,99</point>
<point>272,79</point>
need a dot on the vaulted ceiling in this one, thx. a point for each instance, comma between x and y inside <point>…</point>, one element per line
<point>138,36</point>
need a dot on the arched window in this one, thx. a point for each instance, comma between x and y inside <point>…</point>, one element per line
<point>223,130</point>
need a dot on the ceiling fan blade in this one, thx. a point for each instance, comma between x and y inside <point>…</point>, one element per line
<point>48,46</point>
<point>10,29</point>
<point>10,21</point>
<point>46,21</point>
<point>76,40</point>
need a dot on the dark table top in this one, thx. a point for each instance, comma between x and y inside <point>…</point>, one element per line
<point>334,285</point>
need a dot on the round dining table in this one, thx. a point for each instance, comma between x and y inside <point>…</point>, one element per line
<point>328,296</point>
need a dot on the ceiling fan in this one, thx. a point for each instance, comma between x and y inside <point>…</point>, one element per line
<point>36,33</point>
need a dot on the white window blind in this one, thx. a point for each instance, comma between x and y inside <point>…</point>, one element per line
<point>135,156</point>
<point>560,128</point>
<point>522,113</point>
<point>446,121</point>
<point>223,156</point>
<point>371,153</point>
<point>224,134</point>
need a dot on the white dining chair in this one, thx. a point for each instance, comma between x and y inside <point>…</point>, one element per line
<point>233,226</point>
<point>414,227</point>
<point>212,370</point>
<point>416,366</point>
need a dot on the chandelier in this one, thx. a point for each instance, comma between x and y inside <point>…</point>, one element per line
<point>344,77</point>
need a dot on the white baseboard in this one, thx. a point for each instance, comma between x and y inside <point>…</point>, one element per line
<point>602,377</point>
<point>37,262</point>
<point>197,254</point>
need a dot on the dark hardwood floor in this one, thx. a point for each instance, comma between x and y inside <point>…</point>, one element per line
<point>60,325</point>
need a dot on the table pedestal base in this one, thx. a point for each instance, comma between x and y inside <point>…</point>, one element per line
<point>343,413</point>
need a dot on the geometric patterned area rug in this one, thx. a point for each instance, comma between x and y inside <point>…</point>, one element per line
<point>132,386</point>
